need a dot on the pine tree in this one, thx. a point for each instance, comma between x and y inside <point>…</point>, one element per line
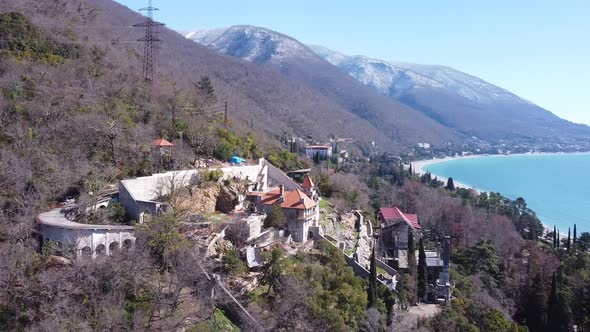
<point>422,272</point>
<point>372,291</point>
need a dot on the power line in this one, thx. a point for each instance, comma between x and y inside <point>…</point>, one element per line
<point>40,8</point>
<point>72,26</point>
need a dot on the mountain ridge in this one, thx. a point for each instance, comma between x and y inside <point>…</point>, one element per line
<point>298,62</point>
<point>461,102</point>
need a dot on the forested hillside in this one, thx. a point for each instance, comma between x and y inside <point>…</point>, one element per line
<point>450,102</point>
<point>296,61</point>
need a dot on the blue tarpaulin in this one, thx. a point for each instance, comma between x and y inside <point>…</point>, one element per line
<point>236,160</point>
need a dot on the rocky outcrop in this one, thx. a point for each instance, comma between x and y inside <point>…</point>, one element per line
<point>209,197</point>
<point>227,199</point>
<point>200,199</point>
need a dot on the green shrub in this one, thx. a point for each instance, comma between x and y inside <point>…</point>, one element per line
<point>24,41</point>
<point>118,213</point>
<point>233,264</point>
<point>212,176</point>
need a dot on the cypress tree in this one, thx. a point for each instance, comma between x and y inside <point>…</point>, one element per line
<point>558,238</point>
<point>536,305</point>
<point>422,272</point>
<point>554,236</point>
<point>410,171</point>
<point>450,184</point>
<point>558,317</point>
<point>575,234</point>
<point>569,240</point>
<point>372,291</point>
<point>316,158</point>
<point>552,305</point>
<point>411,254</point>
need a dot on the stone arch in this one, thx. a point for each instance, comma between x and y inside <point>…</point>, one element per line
<point>113,247</point>
<point>127,244</point>
<point>101,250</point>
<point>86,252</point>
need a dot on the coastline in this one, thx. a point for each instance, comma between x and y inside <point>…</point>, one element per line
<point>420,165</point>
<point>418,168</point>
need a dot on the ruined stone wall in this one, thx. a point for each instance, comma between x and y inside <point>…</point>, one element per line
<point>82,241</point>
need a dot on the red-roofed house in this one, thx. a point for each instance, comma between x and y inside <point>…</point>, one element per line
<point>395,226</point>
<point>299,209</point>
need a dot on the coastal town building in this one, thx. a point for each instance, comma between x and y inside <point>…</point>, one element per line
<point>322,152</point>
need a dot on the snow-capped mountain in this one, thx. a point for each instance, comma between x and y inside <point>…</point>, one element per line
<point>462,103</point>
<point>398,78</point>
<point>255,44</point>
<point>456,99</point>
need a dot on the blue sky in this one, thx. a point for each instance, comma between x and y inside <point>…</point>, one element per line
<point>539,50</point>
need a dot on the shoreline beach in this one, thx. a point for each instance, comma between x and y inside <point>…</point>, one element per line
<point>419,168</point>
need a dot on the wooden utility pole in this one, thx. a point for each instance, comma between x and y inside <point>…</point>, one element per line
<point>225,115</point>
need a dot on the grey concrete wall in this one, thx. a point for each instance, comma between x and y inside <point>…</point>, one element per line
<point>141,194</point>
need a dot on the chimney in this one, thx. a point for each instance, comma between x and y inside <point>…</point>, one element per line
<point>281,194</point>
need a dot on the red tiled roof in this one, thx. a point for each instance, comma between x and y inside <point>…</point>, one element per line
<point>395,213</point>
<point>307,183</point>
<point>295,199</point>
<point>161,142</point>
<point>317,147</point>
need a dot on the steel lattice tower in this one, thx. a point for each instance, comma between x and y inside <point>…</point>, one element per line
<point>150,51</point>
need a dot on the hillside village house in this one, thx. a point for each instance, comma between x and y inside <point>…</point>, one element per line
<point>300,208</point>
<point>322,151</point>
<point>395,226</point>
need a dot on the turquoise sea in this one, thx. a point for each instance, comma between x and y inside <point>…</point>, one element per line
<point>556,186</point>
